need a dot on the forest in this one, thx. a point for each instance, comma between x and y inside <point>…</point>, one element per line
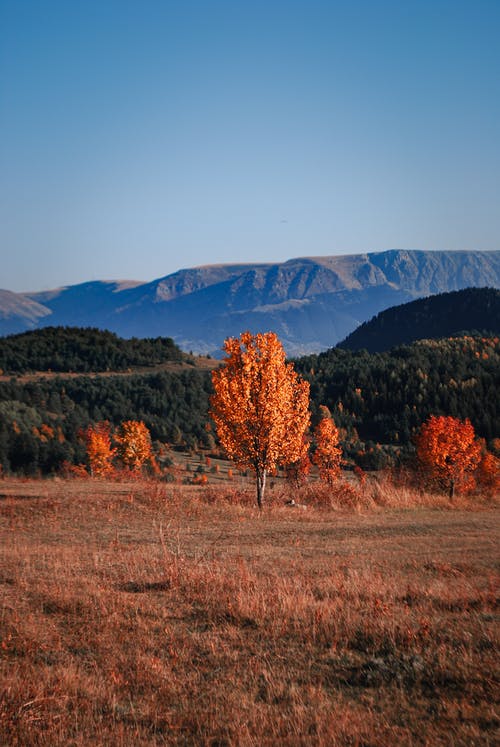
<point>82,350</point>
<point>381,399</point>
<point>378,401</point>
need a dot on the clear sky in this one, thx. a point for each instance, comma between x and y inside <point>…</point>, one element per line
<point>138,138</point>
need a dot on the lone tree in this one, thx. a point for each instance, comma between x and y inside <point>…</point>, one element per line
<point>260,406</point>
<point>328,454</point>
<point>448,449</point>
<point>134,444</point>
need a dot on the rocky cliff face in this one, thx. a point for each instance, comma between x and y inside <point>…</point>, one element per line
<point>311,303</point>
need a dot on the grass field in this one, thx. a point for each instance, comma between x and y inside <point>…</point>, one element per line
<point>144,613</point>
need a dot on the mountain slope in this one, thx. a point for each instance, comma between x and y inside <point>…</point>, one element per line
<point>311,303</point>
<point>443,315</point>
<point>18,312</point>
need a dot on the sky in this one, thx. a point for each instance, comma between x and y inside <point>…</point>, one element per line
<point>139,138</point>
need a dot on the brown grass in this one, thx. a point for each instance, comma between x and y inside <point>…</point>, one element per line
<point>194,362</point>
<point>138,614</point>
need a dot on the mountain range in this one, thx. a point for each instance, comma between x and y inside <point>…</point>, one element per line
<point>311,303</point>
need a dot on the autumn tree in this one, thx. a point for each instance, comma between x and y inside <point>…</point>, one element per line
<point>134,444</point>
<point>448,450</point>
<point>100,451</point>
<point>488,473</point>
<point>298,470</point>
<point>260,406</point>
<point>327,454</point>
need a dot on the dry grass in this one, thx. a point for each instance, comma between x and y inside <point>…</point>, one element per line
<point>138,614</point>
<point>197,362</point>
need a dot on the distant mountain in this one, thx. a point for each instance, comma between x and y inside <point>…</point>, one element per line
<point>18,312</point>
<point>311,303</point>
<point>443,315</point>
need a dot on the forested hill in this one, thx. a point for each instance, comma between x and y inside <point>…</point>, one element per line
<point>385,397</point>
<point>379,401</point>
<point>443,315</point>
<point>64,349</point>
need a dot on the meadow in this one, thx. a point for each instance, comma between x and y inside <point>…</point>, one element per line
<point>145,613</point>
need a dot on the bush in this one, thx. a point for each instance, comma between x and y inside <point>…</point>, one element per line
<point>340,495</point>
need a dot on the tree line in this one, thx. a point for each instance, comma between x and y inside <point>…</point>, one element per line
<point>377,401</point>
<point>40,421</point>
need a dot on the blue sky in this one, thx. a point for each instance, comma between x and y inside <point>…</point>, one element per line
<point>138,138</point>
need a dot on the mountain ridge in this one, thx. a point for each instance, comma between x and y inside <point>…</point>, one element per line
<point>310,302</point>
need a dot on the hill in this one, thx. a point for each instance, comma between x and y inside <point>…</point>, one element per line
<point>64,349</point>
<point>311,303</point>
<point>443,315</point>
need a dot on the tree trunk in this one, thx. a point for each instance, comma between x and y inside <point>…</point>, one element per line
<point>261,486</point>
<point>452,489</point>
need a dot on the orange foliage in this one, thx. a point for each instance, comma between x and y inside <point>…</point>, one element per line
<point>44,433</point>
<point>47,432</point>
<point>260,405</point>
<point>449,451</point>
<point>360,474</point>
<point>99,450</point>
<point>298,470</point>
<point>199,480</point>
<point>328,454</point>
<point>134,444</point>
<point>496,446</point>
<point>488,473</point>
<point>69,470</point>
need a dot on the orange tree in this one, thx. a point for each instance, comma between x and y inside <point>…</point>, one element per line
<point>100,452</point>
<point>260,406</point>
<point>448,450</point>
<point>488,472</point>
<point>134,444</point>
<point>327,454</point>
<point>298,470</point>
